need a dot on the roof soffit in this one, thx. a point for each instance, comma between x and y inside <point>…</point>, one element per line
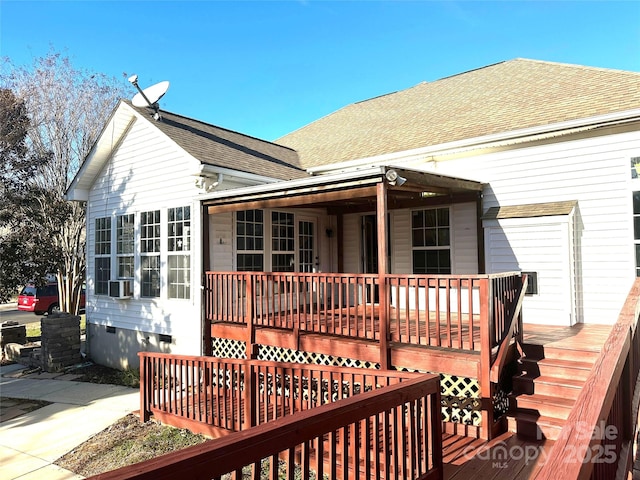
<point>353,191</point>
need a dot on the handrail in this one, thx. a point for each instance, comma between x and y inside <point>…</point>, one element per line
<point>601,427</point>
<point>514,323</point>
<point>361,436</point>
<point>343,304</point>
<point>240,393</point>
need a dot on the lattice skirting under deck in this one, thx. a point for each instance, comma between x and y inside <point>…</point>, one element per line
<point>460,395</point>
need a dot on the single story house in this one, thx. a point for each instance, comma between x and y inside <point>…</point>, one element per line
<point>519,166</point>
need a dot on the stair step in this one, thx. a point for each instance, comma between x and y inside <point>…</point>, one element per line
<point>555,367</point>
<point>547,385</point>
<point>539,352</point>
<point>542,405</point>
<point>535,427</point>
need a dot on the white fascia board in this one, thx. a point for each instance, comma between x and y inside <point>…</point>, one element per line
<point>246,178</point>
<point>288,184</point>
<point>77,195</point>
<point>484,141</point>
<point>100,152</point>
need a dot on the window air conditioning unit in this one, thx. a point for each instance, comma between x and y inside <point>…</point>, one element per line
<point>120,288</point>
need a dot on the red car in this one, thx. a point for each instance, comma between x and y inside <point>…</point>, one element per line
<point>41,300</point>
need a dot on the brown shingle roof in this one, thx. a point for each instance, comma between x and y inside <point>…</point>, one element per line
<point>506,96</point>
<point>225,148</point>
<point>530,210</point>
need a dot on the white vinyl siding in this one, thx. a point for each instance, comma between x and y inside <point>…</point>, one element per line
<point>401,241</point>
<point>352,243</point>
<point>515,245</point>
<point>464,239</point>
<point>146,173</point>
<point>595,173</point>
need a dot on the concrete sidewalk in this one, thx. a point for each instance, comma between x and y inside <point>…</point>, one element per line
<point>30,443</point>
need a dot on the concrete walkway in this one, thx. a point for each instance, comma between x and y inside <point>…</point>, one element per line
<point>31,442</point>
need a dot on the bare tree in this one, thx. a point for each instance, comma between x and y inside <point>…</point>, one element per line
<point>67,109</point>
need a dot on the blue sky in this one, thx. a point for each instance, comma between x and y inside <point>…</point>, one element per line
<point>266,68</point>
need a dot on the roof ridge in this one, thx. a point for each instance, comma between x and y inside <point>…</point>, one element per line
<point>468,71</point>
<point>573,65</point>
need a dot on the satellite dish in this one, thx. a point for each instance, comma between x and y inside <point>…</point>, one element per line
<point>149,96</point>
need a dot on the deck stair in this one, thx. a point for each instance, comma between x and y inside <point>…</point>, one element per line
<point>545,389</point>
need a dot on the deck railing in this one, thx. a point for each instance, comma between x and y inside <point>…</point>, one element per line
<point>215,396</point>
<point>438,310</point>
<point>363,425</point>
<point>464,313</point>
<point>598,437</point>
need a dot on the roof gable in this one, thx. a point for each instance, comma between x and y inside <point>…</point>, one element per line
<point>203,142</point>
<point>507,96</point>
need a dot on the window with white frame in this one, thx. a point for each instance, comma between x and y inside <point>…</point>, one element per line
<point>250,240</point>
<point>125,243</point>
<point>636,229</point>
<point>431,241</point>
<point>150,254</point>
<point>102,255</point>
<point>282,242</point>
<point>179,257</point>
<point>635,167</point>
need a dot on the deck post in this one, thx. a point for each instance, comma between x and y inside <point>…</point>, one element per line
<point>248,315</point>
<point>207,300</point>
<point>250,387</point>
<point>484,367</point>
<point>383,270</point>
<point>144,389</point>
<point>207,347</point>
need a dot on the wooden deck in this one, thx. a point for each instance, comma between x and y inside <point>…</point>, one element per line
<point>580,337</point>
<point>505,457</point>
<point>510,456</point>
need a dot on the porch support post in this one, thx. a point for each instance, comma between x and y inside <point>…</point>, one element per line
<point>383,270</point>
<point>484,367</point>
<point>207,347</point>
<point>339,231</point>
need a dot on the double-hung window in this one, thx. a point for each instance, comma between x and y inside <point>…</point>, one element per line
<point>431,241</point>
<point>282,242</point>
<point>250,240</point>
<point>102,255</point>
<point>635,167</point>
<point>179,257</point>
<point>125,230</point>
<point>150,253</point>
<point>636,229</point>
